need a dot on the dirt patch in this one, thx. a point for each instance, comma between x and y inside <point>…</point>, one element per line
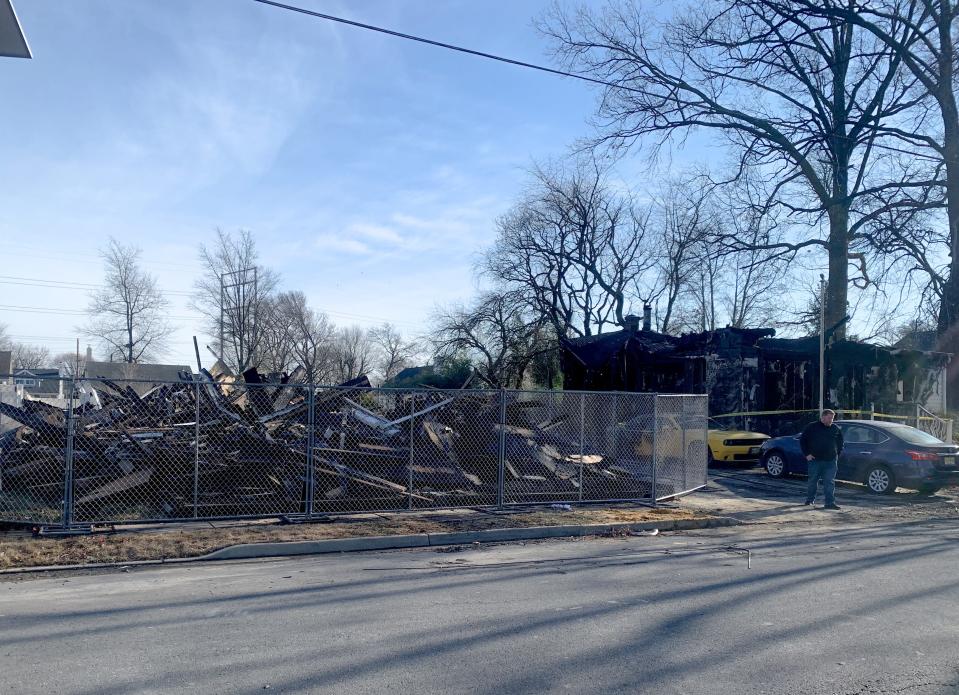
<point>20,549</point>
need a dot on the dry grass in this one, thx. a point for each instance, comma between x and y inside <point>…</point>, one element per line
<point>19,549</point>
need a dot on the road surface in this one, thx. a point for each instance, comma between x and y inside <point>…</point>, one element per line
<point>859,609</point>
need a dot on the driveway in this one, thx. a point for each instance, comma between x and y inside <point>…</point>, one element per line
<point>749,494</point>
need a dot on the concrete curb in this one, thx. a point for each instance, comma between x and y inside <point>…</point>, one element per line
<point>248,551</point>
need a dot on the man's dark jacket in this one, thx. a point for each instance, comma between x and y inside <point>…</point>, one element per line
<point>824,443</point>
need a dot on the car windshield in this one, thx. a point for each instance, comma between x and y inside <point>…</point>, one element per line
<point>911,435</point>
<point>715,424</point>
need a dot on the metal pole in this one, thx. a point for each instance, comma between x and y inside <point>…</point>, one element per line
<point>409,468</point>
<point>310,443</point>
<point>685,453</point>
<point>501,473</point>
<point>582,437</point>
<point>822,342</point>
<point>68,463</point>
<point>655,448</point>
<point>196,453</point>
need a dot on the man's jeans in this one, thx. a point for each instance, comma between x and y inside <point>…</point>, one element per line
<point>826,470</point>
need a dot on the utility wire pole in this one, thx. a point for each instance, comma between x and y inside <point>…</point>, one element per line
<point>822,342</point>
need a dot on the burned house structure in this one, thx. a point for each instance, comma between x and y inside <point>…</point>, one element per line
<point>749,370</point>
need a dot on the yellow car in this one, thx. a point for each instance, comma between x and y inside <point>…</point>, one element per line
<point>730,445</point>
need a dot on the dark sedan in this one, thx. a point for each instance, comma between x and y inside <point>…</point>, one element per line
<point>882,455</point>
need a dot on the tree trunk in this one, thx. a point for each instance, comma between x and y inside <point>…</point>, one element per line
<point>948,327</point>
<point>838,289</point>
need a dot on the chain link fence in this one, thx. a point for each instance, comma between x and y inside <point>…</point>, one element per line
<point>128,451</point>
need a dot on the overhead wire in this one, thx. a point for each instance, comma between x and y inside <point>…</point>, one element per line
<point>441,44</point>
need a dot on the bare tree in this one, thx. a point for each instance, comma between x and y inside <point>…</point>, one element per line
<point>496,335</point>
<point>128,315</point>
<point>233,295</point>
<point>30,356</point>
<point>75,363</point>
<point>297,336</point>
<point>394,352</point>
<point>354,353</point>
<point>796,96</point>
<point>923,35</point>
<point>571,249</point>
<point>684,262</point>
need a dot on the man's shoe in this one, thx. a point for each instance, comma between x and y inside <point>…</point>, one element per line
<point>832,506</point>
<point>807,502</point>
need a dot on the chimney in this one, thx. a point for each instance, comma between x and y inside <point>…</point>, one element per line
<point>631,323</point>
<point>89,354</point>
<point>647,317</point>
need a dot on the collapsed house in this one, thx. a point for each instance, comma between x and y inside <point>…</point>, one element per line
<point>216,444</point>
<point>750,370</point>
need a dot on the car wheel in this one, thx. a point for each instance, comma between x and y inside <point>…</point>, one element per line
<point>880,480</point>
<point>775,464</point>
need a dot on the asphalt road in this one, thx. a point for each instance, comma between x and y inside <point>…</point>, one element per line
<point>852,610</point>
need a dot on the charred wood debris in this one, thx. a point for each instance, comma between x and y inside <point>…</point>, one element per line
<point>244,449</point>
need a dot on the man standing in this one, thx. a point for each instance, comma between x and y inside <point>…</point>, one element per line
<point>821,444</point>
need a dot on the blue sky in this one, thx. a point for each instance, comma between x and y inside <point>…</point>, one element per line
<point>369,168</point>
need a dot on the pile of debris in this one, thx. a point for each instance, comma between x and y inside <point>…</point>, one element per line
<point>215,445</point>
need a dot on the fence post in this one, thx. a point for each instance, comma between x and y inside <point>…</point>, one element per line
<point>685,423</point>
<point>918,412</point>
<point>655,443</point>
<point>310,440</point>
<point>68,461</point>
<point>872,411</point>
<point>196,454</point>
<point>582,438</point>
<point>409,467</point>
<point>501,472</point>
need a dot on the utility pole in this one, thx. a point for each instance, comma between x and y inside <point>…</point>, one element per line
<point>822,342</point>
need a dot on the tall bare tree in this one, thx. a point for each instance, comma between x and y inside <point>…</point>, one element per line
<point>796,96</point>
<point>496,334</point>
<point>923,34</point>
<point>572,248</point>
<point>297,336</point>
<point>354,353</point>
<point>233,295</point>
<point>394,353</point>
<point>27,356</point>
<point>127,317</point>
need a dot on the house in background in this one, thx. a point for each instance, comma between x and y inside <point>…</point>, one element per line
<point>750,370</point>
<point>143,377</point>
<point>41,382</point>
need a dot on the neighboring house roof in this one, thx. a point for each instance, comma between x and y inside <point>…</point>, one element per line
<point>146,374</point>
<point>38,373</point>
<point>596,350</point>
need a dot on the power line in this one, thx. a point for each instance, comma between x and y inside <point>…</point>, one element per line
<point>62,285</point>
<point>440,44</point>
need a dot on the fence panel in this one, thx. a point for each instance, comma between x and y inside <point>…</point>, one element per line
<point>33,455</point>
<point>542,447</point>
<point>204,448</point>
<point>683,459</point>
<point>619,446</point>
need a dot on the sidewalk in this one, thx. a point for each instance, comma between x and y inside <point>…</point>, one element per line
<point>155,542</point>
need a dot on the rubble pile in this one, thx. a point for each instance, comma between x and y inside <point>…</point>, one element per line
<point>215,445</point>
